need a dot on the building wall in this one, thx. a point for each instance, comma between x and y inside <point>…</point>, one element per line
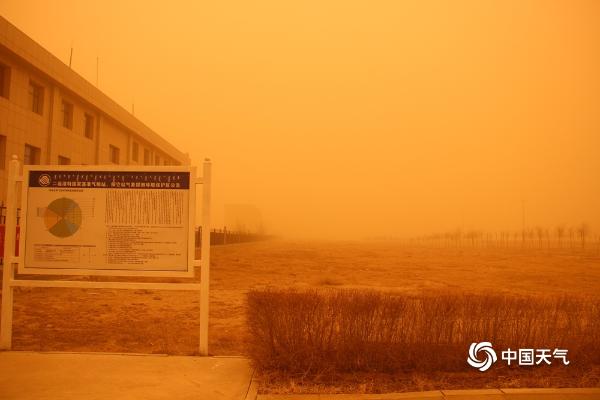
<point>24,61</point>
<point>71,143</point>
<point>111,135</point>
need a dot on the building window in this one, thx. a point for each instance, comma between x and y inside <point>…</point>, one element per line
<point>4,80</point>
<point>135,151</point>
<point>157,160</point>
<point>89,126</point>
<point>36,98</point>
<point>2,152</point>
<point>64,160</point>
<point>67,113</point>
<point>147,156</point>
<point>113,154</point>
<point>32,155</point>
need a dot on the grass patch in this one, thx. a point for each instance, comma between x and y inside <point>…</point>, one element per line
<point>274,382</point>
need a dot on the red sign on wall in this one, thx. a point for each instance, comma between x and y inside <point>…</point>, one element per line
<point>2,232</point>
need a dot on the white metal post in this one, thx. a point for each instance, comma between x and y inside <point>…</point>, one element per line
<point>9,255</point>
<point>205,258</point>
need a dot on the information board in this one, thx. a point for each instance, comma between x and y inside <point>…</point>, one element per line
<point>100,220</point>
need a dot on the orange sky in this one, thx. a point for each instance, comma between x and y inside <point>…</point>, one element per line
<point>345,119</point>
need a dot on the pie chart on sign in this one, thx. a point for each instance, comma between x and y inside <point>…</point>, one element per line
<point>62,217</point>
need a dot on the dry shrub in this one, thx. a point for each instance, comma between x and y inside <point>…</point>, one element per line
<point>323,331</point>
<point>329,281</point>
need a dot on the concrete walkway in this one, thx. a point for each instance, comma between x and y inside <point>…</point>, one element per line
<point>66,376</point>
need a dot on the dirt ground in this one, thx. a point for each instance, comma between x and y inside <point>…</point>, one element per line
<point>56,319</point>
<point>167,322</point>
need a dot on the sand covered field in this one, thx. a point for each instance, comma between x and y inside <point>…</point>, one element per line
<point>55,319</point>
<point>143,321</point>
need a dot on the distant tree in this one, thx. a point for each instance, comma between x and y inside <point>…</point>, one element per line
<point>583,231</point>
<point>571,236</point>
<point>531,235</point>
<point>449,236</point>
<point>506,238</point>
<point>457,235</point>
<point>436,238</point>
<point>516,236</point>
<point>560,234</point>
<point>540,234</point>
<point>472,235</point>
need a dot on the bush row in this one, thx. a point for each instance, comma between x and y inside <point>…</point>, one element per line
<point>327,330</point>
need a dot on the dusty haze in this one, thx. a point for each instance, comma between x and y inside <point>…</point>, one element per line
<point>349,119</point>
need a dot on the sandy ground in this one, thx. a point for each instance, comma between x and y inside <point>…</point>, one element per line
<point>54,319</point>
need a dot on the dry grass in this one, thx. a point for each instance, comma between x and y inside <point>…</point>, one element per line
<point>276,382</point>
<point>316,332</point>
<point>52,319</point>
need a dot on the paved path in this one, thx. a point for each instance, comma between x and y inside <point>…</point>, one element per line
<point>67,376</point>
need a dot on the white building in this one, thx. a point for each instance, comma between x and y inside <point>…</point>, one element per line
<point>51,115</point>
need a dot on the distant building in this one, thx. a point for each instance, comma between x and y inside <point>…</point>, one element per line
<point>51,115</point>
<point>243,218</point>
